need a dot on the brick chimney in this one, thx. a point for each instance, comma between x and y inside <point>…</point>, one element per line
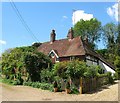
<point>70,34</point>
<point>52,36</point>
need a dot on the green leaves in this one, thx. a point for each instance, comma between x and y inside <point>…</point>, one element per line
<point>75,69</point>
<point>117,61</point>
<point>91,72</point>
<point>89,28</point>
<point>21,61</point>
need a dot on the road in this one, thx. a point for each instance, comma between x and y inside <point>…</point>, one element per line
<point>25,93</point>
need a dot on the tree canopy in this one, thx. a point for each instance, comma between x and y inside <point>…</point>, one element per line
<point>90,29</point>
<point>24,62</point>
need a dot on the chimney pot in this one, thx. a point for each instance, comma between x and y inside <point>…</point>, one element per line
<point>53,35</point>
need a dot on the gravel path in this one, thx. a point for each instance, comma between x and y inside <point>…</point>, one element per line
<point>24,93</point>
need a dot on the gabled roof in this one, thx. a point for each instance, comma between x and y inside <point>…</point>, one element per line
<point>64,47</point>
<point>91,52</point>
<point>70,47</point>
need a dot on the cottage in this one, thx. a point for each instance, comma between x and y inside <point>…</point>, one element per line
<point>73,48</point>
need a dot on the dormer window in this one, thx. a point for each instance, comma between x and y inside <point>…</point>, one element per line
<point>52,54</point>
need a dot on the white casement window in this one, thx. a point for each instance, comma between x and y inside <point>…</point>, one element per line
<point>52,53</point>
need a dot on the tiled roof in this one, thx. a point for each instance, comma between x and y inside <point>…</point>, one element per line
<point>70,47</point>
<point>64,47</point>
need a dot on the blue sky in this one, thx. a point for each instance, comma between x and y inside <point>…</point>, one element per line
<point>43,17</point>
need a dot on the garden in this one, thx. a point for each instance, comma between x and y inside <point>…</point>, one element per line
<point>26,66</point>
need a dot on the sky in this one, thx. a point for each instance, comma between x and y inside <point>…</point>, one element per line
<point>42,17</point>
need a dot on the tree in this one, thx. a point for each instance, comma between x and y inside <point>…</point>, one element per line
<point>34,63</point>
<point>117,61</point>
<point>118,41</point>
<point>110,37</point>
<point>110,32</point>
<point>21,61</point>
<point>90,29</point>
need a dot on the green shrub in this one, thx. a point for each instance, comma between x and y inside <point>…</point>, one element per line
<point>110,78</point>
<point>8,81</point>
<point>91,72</point>
<point>44,86</point>
<point>46,76</point>
<point>67,85</point>
<point>115,76</point>
<point>74,90</point>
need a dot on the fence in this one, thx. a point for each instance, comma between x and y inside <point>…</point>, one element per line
<point>91,84</point>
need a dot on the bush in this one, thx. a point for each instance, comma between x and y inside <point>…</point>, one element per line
<point>115,76</point>
<point>55,85</point>
<point>91,72</point>
<point>44,86</point>
<point>67,85</point>
<point>74,90</point>
<point>46,76</point>
<point>12,82</point>
<point>110,78</point>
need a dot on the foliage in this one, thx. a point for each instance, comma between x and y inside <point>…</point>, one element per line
<point>116,76</point>
<point>44,86</point>
<point>59,69</point>
<point>74,89</point>
<point>117,61</point>
<point>76,68</point>
<point>99,70</point>
<point>46,76</point>
<point>36,44</point>
<point>67,85</point>
<point>55,85</point>
<point>118,73</point>
<point>34,63</point>
<point>110,78</point>
<point>11,82</point>
<point>90,28</point>
<point>103,52</point>
<point>91,72</point>
<point>23,62</point>
<point>110,33</point>
<point>72,69</point>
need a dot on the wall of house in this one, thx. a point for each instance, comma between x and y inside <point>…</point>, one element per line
<point>61,59</point>
<point>72,58</point>
<point>91,60</point>
<point>106,68</point>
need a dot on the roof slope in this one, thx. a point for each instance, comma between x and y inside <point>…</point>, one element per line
<point>70,47</point>
<point>64,47</point>
<point>91,52</point>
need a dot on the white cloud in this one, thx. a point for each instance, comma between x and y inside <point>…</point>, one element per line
<point>113,11</point>
<point>65,17</point>
<point>80,14</point>
<point>2,42</point>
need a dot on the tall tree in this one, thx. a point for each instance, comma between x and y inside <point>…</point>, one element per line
<point>118,41</point>
<point>110,32</point>
<point>89,28</point>
<point>111,35</point>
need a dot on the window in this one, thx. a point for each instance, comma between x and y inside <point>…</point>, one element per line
<point>57,59</point>
<point>52,54</point>
<point>72,58</point>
